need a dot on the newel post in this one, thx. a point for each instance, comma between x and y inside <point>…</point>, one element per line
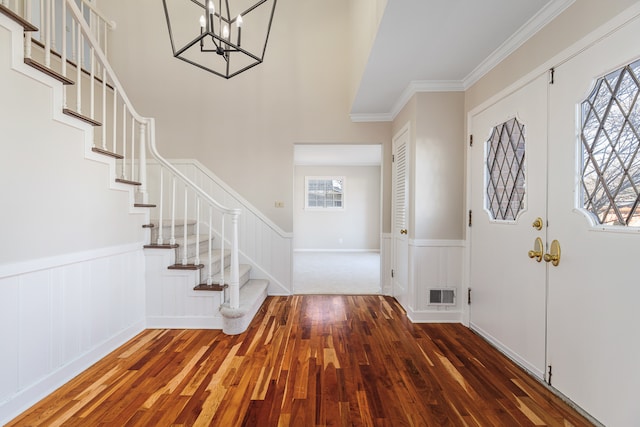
<point>234,280</point>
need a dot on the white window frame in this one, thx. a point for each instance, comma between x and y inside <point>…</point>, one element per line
<point>308,179</point>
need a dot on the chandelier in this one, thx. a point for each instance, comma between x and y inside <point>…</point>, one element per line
<point>224,37</point>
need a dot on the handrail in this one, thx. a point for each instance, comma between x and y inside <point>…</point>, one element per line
<point>100,14</point>
<point>147,131</point>
<point>152,140</point>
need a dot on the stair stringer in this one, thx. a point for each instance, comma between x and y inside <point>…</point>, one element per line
<point>278,269</point>
<point>57,104</point>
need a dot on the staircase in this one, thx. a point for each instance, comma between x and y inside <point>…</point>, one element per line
<point>194,282</point>
<point>193,279</point>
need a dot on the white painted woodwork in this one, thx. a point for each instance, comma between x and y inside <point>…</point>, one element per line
<point>593,343</point>
<point>508,288</point>
<point>171,301</point>
<point>435,264</point>
<point>400,217</point>
<point>261,243</point>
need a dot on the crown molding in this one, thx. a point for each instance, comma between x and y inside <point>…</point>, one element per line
<point>528,30</point>
<point>417,86</point>
<point>374,117</point>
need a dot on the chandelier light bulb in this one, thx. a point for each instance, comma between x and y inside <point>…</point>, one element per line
<point>225,32</point>
<point>203,22</point>
<point>239,21</point>
<point>212,7</point>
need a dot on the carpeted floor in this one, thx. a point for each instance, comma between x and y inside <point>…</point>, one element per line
<point>352,273</point>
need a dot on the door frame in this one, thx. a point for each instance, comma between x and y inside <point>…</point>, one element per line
<point>404,299</point>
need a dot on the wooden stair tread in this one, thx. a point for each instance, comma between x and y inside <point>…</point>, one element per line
<point>48,71</point>
<point>28,26</point>
<point>165,246</point>
<point>82,117</point>
<point>148,225</point>
<point>214,287</point>
<point>107,153</point>
<point>126,181</point>
<point>144,205</point>
<point>186,267</point>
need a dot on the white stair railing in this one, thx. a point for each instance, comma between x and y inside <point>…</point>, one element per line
<point>101,100</point>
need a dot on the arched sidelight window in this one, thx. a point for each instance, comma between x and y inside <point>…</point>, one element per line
<point>505,171</point>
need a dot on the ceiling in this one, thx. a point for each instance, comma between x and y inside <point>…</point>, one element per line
<point>442,45</point>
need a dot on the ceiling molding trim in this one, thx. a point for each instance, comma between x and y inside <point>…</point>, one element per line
<point>417,86</point>
<point>374,117</point>
<point>530,28</point>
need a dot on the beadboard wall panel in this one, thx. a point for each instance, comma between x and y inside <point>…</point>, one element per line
<point>61,319</point>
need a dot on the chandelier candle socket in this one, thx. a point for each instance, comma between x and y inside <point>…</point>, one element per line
<point>221,25</point>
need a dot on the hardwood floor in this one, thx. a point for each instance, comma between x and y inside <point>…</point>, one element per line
<point>306,361</point>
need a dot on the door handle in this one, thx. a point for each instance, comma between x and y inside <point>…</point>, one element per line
<point>554,254</point>
<point>403,231</point>
<point>537,250</point>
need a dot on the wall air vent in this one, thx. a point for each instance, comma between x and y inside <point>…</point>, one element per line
<point>442,297</point>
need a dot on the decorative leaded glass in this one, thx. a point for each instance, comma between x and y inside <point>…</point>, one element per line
<point>610,141</point>
<point>505,171</point>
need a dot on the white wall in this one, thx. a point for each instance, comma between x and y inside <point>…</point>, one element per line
<point>71,263</point>
<point>247,125</point>
<point>356,227</point>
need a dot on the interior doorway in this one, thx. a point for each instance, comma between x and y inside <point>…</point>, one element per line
<point>337,219</point>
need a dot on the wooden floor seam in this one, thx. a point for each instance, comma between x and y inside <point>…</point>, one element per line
<point>307,361</point>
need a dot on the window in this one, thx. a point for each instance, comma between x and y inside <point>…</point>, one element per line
<point>324,192</point>
<point>610,140</point>
<point>505,171</point>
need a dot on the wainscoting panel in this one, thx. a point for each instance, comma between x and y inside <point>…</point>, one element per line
<point>435,264</point>
<point>58,320</point>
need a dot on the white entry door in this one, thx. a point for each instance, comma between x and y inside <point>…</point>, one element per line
<point>508,195</point>
<point>400,238</point>
<point>594,327</point>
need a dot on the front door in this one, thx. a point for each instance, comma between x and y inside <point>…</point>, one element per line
<point>594,183</point>
<point>508,203</point>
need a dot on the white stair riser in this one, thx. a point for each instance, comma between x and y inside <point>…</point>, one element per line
<point>191,251</point>
<point>166,231</point>
<point>215,266</point>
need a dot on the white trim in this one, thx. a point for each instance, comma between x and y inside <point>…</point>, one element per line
<point>370,118</point>
<point>184,322</point>
<point>590,39</point>
<point>215,178</point>
<point>418,86</point>
<point>434,243</point>
<point>22,267</point>
<point>505,350</point>
<point>21,401</point>
<point>428,316</point>
<point>524,33</point>
<point>520,37</point>
<point>337,250</point>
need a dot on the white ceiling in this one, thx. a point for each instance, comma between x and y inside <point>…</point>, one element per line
<point>435,45</point>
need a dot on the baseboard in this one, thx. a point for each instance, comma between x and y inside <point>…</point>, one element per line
<point>23,400</point>
<point>184,322</point>
<point>425,316</point>
<point>532,370</point>
<point>338,250</point>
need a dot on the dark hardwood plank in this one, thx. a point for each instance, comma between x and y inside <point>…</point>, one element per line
<point>307,361</point>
